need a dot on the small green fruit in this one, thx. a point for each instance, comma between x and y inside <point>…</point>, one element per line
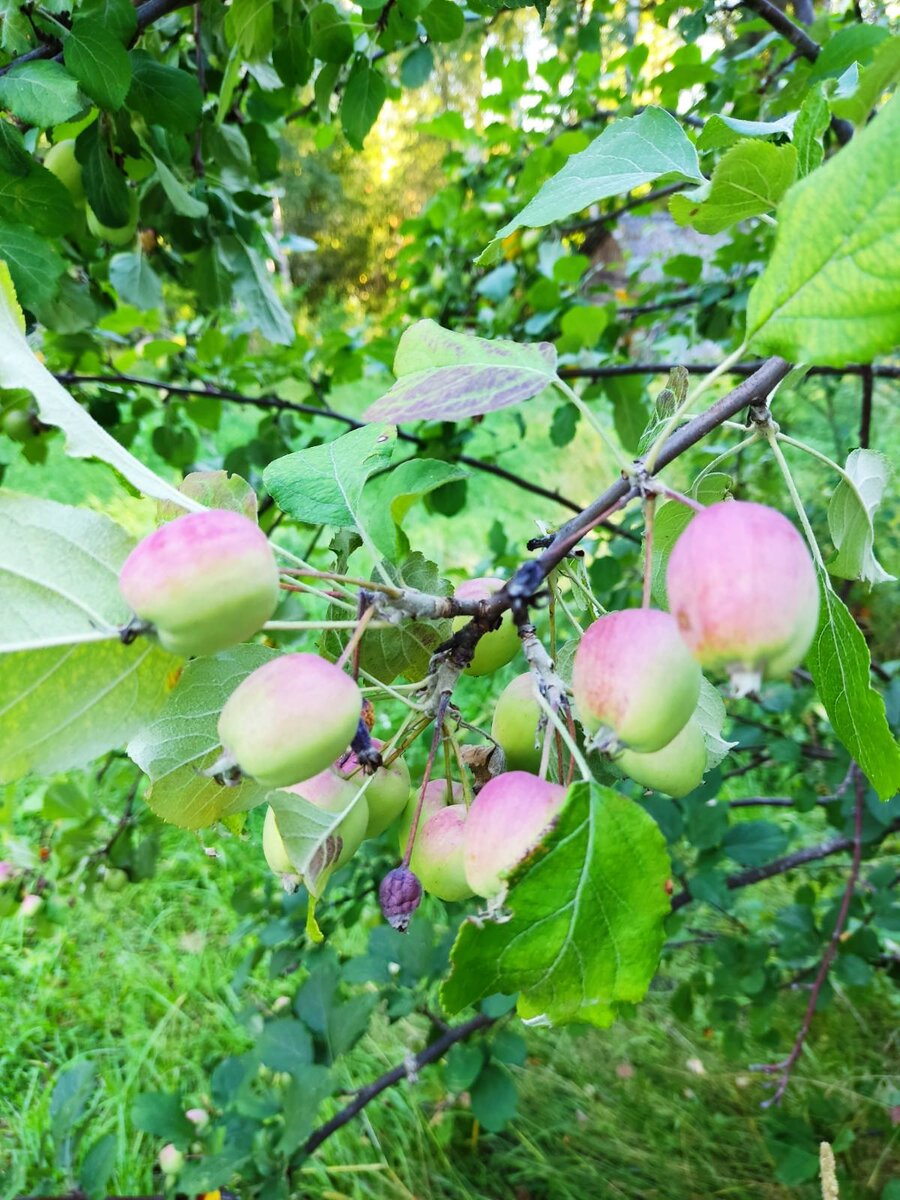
<point>115,235</point>
<point>500,646</point>
<point>676,769</point>
<point>438,794</point>
<point>437,858</point>
<point>17,425</point>
<point>115,880</point>
<point>290,719</point>
<point>515,724</point>
<point>386,795</point>
<point>205,581</point>
<point>61,161</point>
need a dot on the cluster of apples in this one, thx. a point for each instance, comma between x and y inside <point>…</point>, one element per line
<point>743,598</point>
<point>62,162</point>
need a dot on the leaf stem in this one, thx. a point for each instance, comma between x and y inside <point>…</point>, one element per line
<point>570,742</point>
<point>772,439</point>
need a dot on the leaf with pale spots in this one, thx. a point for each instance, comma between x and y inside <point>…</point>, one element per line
<point>444,376</point>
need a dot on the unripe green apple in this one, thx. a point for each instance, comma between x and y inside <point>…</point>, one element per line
<point>332,794</point>
<point>495,649</point>
<point>290,719</point>
<point>205,581</point>
<point>61,160</point>
<point>506,820</point>
<point>386,795</point>
<point>115,235</point>
<point>437,857</point>
<point>676,769</point>
<point>115,879</point>
<point>634,674</point>
<point>18,425</point>
<point>515,724</point>
<point>171,1159</point>
<point>438,794</point>
<point>742,585</point>
<point>274,849</point>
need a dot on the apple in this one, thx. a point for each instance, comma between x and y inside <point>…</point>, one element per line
<point>634,675</point>
<point>500,646</point>
<point>506,820</point>
<point>676,769</point>
<point>515,724</point>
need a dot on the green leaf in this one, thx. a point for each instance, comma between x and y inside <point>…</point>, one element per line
<point>182,740</point>
<point>249,27</point>
<point>448,376</point>
<point>35,267</point>
<point>630,413</point>
<point>331,38</point>
<point>752,843</point>
<point>14,158</point>
<point>41,94</point>
<point>406,649</point>
<point>98,1166</point>
<point>813,119</point>
<point>302,1100</point>
<point>854,43</point>
<point>749,179</point>
<point>462,1066</point>
<point>253,287</point>
<point>389,497</point>
<point>444,21</point>
<point>628,154</point>
<point>19,368</point>
<point>311,835</point>
<point>162,1115</point>
<point>164,95</point>
<point>105,184</point>
<point>720,131</point>
<point>180,198</point>
<point>63,703</point>
<point>850,516</point>
<point>493,1098</point>
<point>361,102</point>
<point>116,16</point>
<point>323,485</point>
<point>711,717</point>
<point>135,280</point>
<point>839,301</point>
<point>99,62</point>
<point>874,80</point>
<point>37,199</point>
<point>416,68</point>
<point>71,1096</point>
<point>285,1045</point>
<point>839,663</point>
<point>587,907</point>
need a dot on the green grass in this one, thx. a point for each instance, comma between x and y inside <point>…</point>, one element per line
<point>138,982</point>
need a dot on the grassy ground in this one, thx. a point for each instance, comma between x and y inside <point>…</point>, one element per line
<point>138,982</point>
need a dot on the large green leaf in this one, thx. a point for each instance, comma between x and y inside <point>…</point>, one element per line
<point>249,26</point>
<point>628,154</point>
<point>182,741</point>
<point>135,280</point>
<point>361,102</point>
<point>99,62</point>
<point>839,662</point>
<point>62,703</point>
<point>749,179</point>
<point>588,908</point>
<point>41,94</point>
<point>444,376</point>
<point>323,484</point>
<point>36,198</point>
<point>253,287</point>
<point>19,368</point>
<point>164,95</point>
<point>839,300</point>
<point>882,71</point>
<point>850,515</point>
<point>33,265</point>
<point>389,497</point>
<point>406,649</point>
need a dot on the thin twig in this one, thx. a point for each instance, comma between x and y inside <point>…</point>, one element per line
<point>784,1069</point>
<point>429,766</point>
<point>865,416</point>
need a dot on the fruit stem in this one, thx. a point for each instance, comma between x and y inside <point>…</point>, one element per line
<point>308,590</point>
<point>829,462</point>
<point>649,506</point>
<point>570,742</point>
<point>594,422</point>
<point>772,439</point>
<point>287,626</point>
<point>663,489</point>
<point>435,742</point>
<point>354,639</point>
<point>349,580</point>
<point>720,458</point>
